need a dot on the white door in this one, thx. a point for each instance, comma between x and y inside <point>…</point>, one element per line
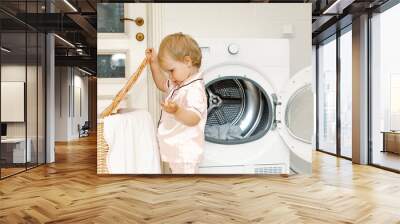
<point>120,53</point>
<point>296,119</point>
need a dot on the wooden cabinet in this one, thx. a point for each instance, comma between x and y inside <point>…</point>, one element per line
<point>391,142</point>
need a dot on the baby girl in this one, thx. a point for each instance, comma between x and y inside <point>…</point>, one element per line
<point>175,70</point>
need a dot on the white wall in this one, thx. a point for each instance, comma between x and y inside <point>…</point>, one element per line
<point>247,20</point>
<point>69,79</point>
<point>80,83</point>
<point>12,73</point>
<point>61,103</point>
<point>33,126</point>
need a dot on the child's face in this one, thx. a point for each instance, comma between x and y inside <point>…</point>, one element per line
<point>178,71</point>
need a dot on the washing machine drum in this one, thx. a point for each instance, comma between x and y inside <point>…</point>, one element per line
<point>239,111</point>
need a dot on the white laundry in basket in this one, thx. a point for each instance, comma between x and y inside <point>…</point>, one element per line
<point>132,143</point>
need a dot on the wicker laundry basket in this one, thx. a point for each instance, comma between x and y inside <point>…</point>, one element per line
<point>102,147</point>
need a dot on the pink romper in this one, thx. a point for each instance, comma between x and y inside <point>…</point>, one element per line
<point>180,145</point>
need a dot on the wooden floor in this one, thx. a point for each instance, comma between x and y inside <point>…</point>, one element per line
<point>5,172</point>
<point>10,171</point>
<point>387,159</point>
<point>70,191</point>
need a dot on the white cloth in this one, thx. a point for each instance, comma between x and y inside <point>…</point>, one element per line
<point>132,144</point>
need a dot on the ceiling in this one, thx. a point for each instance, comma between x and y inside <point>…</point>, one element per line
<point>76,24</point>
<point>329,16</point>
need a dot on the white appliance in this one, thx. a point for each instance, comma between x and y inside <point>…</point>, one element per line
<point>17,145</point>
<point>249,89</point>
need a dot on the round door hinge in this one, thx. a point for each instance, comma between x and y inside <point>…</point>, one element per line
<point>139,36</point>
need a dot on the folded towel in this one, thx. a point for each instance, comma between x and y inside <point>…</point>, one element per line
<point>132,142</point>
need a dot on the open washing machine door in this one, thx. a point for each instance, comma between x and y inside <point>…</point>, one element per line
<point>296,119</point>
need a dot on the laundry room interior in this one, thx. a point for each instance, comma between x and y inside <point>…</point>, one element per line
<point>256,65</point>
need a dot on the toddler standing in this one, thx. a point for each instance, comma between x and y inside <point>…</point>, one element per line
<point>175,70</point>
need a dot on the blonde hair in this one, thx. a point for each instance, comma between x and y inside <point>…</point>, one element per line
<point>177,46</point>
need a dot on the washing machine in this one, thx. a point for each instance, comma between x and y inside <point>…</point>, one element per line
<point>260,119</point>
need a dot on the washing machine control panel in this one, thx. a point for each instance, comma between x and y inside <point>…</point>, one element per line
<point>233,49</point>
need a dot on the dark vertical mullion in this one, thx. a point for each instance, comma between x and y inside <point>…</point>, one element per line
<point>60,88</point>
<point>26,86</point>
<point>73,92</point>
<point>37,89</point>
<point>0,92</point>
<point>338,81</point>
<point>69,92</point>
<point>44,70</point>
<point>317,96</point>
<point>369,87</point>
<point>318,6</point>
<point>45,93</point>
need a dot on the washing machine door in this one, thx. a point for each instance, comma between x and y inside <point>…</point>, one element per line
<point>240,105</point>
<point>296,115</point>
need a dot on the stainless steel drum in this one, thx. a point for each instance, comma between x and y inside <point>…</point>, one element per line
<point>239,111</point>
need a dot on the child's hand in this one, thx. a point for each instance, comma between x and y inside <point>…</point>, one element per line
<point>125,110</point>
<point>151,55</point>
<point>170,107</point>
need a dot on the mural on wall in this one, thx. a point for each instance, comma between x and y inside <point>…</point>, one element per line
<point>217,101</point>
